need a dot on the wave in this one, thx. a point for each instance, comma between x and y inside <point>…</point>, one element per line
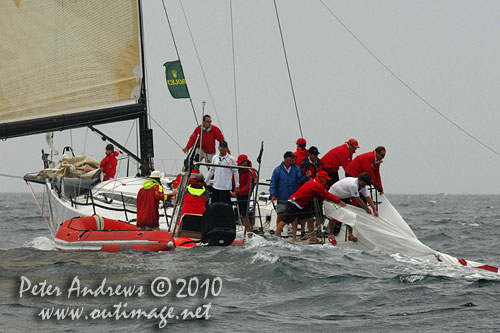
<point>41,243</point>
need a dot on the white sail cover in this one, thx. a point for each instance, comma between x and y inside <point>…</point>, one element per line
<point>66,56</point>
<point>390,233</point>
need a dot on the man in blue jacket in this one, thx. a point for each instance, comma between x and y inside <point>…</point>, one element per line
<point>285,182</point>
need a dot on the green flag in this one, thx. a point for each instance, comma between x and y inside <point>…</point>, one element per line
<point>176,81</point>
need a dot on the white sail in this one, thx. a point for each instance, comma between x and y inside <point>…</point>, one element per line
<point>64,57</point>
<point>390,233</point>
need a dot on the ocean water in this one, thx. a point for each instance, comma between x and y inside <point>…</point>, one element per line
<point>265,285</point>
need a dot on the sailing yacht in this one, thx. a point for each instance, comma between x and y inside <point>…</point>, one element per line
<point>81,63</point>
<point>83,67</point>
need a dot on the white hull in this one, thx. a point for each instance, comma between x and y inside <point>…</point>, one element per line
<point>388,233</point>
<point>109,194</point>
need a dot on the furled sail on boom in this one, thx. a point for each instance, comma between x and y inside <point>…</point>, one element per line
<point>68,64</point>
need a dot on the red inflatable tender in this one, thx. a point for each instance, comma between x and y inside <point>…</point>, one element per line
<point>95,233</point>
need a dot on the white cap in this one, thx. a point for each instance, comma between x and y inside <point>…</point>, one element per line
<point>156,174</point>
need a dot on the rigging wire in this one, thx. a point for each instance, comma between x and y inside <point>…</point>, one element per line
<point>10,176</point>
<point>137,143</point>
<point>407,85</point>
<point>201,66</point>
<point>178,56</point>
<point>288,69</point>
<point>40,206</point>
<point>125,144</point>
<point>157,123</point>
<point>234,78</point>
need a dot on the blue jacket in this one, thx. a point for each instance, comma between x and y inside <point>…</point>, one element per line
<point>283,183</point>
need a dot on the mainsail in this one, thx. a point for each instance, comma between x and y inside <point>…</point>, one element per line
<point>68,64</point>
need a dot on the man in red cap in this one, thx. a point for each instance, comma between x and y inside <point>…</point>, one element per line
<point>336,157</point>
<point>301,152</point>
<point>369,163</point>
<point>196,196</point>
<point>301,205</point>
<point>245,177</point>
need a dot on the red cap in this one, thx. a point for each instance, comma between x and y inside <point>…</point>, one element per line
<point>301,141</point>
<point>353,142</point>
<point>324,175</point>
<point>242,158</point>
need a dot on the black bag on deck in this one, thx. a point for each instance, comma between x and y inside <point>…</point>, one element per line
<point>218,225</point>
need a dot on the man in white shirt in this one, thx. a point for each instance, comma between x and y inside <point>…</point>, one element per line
<point>223,177</point>
<point>352,187</point>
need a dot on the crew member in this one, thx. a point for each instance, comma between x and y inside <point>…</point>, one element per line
<point>109,162</point>
<point>196,197</point>
<point>309,168</point>
<point>148,200</point>
<point>369,163</point>
<point>352,187</point>
<point>301,204</point>
<point>284,182</point>
<point>338,156</point>
<point>247,177</point>
<point>223,177</point>
<point>301,152</point>
<point>206,139</point>
<point>310,165</point>
<point>177,180</point>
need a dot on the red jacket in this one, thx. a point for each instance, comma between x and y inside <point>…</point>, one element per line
<point>310,190</point>
<point>336,157</point>
<point>300,154</point>
<point>177,180</point>
<point>148,200</point>
<point>195,199</point>
<point>208,139</point>
<point>108,165</point>
<point>366,163</point>
<point>245,180</point>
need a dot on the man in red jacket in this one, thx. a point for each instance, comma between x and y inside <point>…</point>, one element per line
<point>337,157</point>
<point>301,152</point>
<point>301,205</point>
<point>369,163</point>
<point>207,139</point>
<point>148,200</point>
<point>196,197</point>
<point>109,162</point>
<point>245,178</point>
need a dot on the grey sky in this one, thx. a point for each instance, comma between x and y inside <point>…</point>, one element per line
<point>448,51</point>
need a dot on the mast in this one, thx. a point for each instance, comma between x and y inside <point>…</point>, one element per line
<point>145,133</point>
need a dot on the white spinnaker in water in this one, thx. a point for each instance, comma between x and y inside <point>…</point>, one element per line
<point>389,232</point>
<point>392,236</point>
